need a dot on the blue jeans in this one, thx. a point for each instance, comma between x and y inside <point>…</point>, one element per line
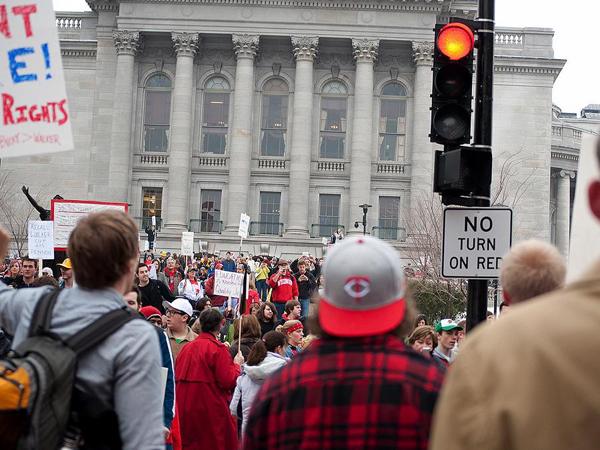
<point>280,306</point>
<point>263,289</point>
<point>305,305</point>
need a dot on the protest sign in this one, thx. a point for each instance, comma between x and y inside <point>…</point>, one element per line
<point>187,243</point>
<point>228,284</point>
<point>66,214</point>
<point>34,115</point>
<point>40,239</point>
<point>244,224</point>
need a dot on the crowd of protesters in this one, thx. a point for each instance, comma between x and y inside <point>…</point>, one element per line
<point>317,353</point>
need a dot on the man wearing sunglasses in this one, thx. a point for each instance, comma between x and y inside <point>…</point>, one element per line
<point>178,315</point>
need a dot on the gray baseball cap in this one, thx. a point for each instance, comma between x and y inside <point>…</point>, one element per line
<point>364,288</point>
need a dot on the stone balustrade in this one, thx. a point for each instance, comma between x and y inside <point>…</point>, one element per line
<point>330,166</point>
<point>148,159</point>
<point>271,164</point>
<point>213,161</point>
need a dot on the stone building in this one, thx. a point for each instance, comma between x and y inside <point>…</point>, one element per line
<point>293,112</point>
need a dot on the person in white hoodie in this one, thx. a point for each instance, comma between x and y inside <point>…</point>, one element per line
<point>265,358</point>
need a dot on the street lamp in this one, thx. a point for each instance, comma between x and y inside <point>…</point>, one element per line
<point>365,207</point>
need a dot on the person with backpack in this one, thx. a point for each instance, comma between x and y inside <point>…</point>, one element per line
<point>82,350</point>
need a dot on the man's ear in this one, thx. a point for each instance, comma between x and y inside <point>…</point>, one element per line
<point>594,198</point>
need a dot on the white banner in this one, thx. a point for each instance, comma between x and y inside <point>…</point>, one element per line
<point>187,243</point>
<point>35,114</point>
<point>66,214</point>
<point>228,284</point>
<point>244,224</point>
<point>41,239</point>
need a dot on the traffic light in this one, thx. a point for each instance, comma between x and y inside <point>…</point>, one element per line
<point>452,84</point>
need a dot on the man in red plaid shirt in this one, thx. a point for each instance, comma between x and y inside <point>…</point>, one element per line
<point>359,386</point>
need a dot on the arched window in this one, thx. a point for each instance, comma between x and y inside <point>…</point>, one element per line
<point>392,122</point>
<point>274,117</point>
<point>157,114</point>
<point>215,115</point>
<point>333,122</point>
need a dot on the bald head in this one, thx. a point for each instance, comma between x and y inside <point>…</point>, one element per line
<point>531,268</point>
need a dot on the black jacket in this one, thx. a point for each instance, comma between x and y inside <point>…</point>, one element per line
<point>306,288</point>
<point>247,344</point>
<point>19,283</point>
<point>154,293</point>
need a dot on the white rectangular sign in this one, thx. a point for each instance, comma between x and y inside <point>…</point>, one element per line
<point>228,284</point>
<point>244,224</point>
<point>35,114</point>
<point>40,239</point>
<point>474,242</point>
<point>66,214</point>
<point>187,243</point>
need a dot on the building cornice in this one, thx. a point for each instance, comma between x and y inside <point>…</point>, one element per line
<point>384,5</point>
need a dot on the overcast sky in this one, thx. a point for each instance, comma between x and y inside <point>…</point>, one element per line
<point>575,24</point>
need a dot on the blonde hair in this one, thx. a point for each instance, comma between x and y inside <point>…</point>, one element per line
<point>531,268</point>
<point>286,326</point>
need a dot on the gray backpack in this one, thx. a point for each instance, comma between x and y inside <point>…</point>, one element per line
<point>37,393</point>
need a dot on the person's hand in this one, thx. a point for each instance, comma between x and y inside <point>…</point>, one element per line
<point>167,433</point>
<point>164,321</point>
<point>239,359</point>
<point>4,241</point>
<point>25,190</point>
<point>303,278</point>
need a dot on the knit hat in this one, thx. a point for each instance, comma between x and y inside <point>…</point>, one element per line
<point>150,311</point>
<point>364,292</point>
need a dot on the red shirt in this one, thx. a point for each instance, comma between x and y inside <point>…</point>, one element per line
<point>284,289</point>
<point>371,392</point>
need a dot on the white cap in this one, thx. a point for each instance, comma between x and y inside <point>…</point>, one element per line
<point>180,304</point>
<point>47,271</point>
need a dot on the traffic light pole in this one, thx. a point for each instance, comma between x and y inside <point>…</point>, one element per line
<point>477,293</point>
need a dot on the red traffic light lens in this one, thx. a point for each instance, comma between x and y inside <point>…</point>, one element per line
<point>456,41</point>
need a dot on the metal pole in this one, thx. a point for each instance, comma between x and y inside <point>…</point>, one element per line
<point>477,292</point>
<point>364,222</point>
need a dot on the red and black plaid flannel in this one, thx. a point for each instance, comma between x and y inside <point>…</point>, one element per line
<point>372,392</point>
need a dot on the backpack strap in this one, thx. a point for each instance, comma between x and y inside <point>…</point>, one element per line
<point>42,314</point>
<point>101,329</point>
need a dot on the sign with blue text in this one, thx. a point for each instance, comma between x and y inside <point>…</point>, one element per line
<point>474,241</point>
<point>34,114</point>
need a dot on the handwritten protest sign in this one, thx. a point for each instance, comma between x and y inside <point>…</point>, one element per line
<point>34,112</point>
<point>228,284</point>
<point>40,239</point>
<point>187,243</point>
<point>66,214</point>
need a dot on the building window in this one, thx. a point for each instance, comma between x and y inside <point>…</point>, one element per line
<point>269,212</point>
<point>274,118</point>
<point>392,122</point>
<point>329,214</point>
<point>157,114</point>
<point>333,122</point>
<point>389,212</point>
<point>210,211</point>
<point>151,206</point>
<point>215,115</point>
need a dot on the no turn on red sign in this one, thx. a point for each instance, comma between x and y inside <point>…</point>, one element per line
<point>474,242</point>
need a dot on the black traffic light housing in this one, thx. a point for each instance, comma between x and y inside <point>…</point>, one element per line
<point>452,91</point>
<point>462,174</point>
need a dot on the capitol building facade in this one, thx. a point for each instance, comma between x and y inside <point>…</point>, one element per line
<point>295,113</point>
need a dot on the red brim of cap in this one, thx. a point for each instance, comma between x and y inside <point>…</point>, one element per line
<point>356,323</point>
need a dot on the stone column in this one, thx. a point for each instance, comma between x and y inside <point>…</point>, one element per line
<point>119,174</point>
<point>305,51</point>
<point>180,148</point>
<point>421,183</point>
<point>240,150</point>
<point>365,54</point>
<point>563,211</point>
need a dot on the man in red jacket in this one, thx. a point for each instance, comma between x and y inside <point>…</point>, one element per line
<point>206,377</point>
<point>284,286</point>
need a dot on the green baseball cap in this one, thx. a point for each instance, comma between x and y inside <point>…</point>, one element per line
<point>447,325</point>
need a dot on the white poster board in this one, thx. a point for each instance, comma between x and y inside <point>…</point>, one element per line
<point>244,224</point>
<point>228,284</point>
<point>187,243</point>
<point>585,227</point>
<point>474,242</point>
<point>35,114</point>
<point>66,214</point>
<point>40,239</point>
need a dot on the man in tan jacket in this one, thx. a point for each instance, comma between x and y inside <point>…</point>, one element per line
<point>531,380</point>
